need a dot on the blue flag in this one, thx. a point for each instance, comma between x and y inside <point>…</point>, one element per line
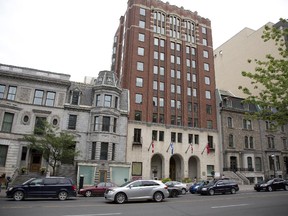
<point>172,148</point>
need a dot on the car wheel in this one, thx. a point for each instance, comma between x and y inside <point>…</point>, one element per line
<point>18,195</point>
<point>88,193</point>
<point>286,187</point>
<point>158,196</point>
<point>211,192</point>
<point>269,188</point>
<point>120,198</point>
<point>233,191</point>
<point>62,195</point>
<point>183,191</point>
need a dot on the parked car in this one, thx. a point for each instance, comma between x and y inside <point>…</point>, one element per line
<point>272,185</point>
<point>54,187</point>
<point>137,190</point>
<point>174,191</point>
<point>178,184</point>
<point>96,190</point>
<point>195,187</point>
<point>219,186</point>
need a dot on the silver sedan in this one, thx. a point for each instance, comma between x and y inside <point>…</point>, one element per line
<point>138,190</point>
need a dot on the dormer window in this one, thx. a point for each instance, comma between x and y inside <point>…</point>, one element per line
<point>75,97</point>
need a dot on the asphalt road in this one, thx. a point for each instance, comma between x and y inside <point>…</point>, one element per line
<point>242,203</point>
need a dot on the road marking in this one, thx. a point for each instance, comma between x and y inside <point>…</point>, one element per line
<point>228,206</point>
<point>95,214</point>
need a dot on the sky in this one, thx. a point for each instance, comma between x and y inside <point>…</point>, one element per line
<point>76,36</point>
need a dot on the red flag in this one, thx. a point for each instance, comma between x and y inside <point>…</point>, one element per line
<point>208,149</point>
<point>191,147</point>
<point>152,146</point>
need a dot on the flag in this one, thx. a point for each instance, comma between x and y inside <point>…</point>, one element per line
<point>172,148</point>
<point>191,147</point>
<point>208,149</point>
<point>152,146</point>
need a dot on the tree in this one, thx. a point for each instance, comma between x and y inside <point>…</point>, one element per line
<point>55,146</point>
<point>272,74</point>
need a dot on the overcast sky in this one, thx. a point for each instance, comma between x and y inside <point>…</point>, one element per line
<point>75,36</point>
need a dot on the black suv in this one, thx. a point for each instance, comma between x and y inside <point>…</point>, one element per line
<point>54,187</point>
<point>221,186</point>
<point>272,185</point>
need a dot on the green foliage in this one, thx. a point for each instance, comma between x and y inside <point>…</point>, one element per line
<point>272,74</point>
<point>187,180</point>
<point>54,146</point>
<point>164,180</point>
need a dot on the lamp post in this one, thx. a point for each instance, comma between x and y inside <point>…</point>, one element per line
<point>274,164</point>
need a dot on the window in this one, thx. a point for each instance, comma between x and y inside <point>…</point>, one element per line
<point>155,85</point>
<point>210,142</point>
<point>75,97</point>
<point>178,89</point>
<point>161,118</point>
<point>258,166</point>
<point>189,91</point>
<point>142,11</point>
<point>208,109</point>
<point>204,31</point>
<point>162,71</point>
<point>247,124</point>
<point>173,137</point>
<point>162,43</point>
<point>96,123</point>
<point>72,122</point>
<point>93,151</point>
<point>172,119</point>
<point>142,24</point>
<point>206,66</point>
<point>141,37</point>
<point>38,97</point>
<point>24,153</point>
<point>156,41</point>
<point>155,101</point>
<point>194,78</point>
<point>137,136</point>
<point>138,98</point>
<point>207,80</point>
<point>190,138</point>
<point>172,88</point>
<point>179,137</point>
<point>284,141</point>
<point>2,90</point>
<point>188,77</point>
<point>140,66</point>
<point>138,116</point>
<point>209,124</point>
<point>196,139</point>
<point>7,122</point>
<point>172,59</point>
<point>249,162</point>
<point>107,100</point>
<point>173,103</point>
<point>11,93</point>
<point>193,51</point>
<point>154,134</point>
<point>271,144</point>
<point>104,151</point>
<point>208,94</point>
<point>154,117</point>
<point>161,102</point>
<point>140,51</point>
<point>113,151</point>
<point>106,123</point>
<point>172,73</point>
<point>251,142</point>
<point>193,63</point>
<point>161,135</point>
<point>139,82</point>
<point>204,42</point>
<point>161,86</point>
<point>39,125</point>
<point>116,102</point>
<point>50,98</point>
<point>3,155</point>
<point>231,141</point>
<point>114,125</point>
<point>205,53</point>
<point>98,100</point>
<point>156,55</point>
<point>229,122</point>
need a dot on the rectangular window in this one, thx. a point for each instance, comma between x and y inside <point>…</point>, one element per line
<point>138,115</point>
<point>140,51</point>
<point>173,137</point>
<point>179,137</point>
<point>116,102</point>
<point>114,125</point>
<point>11,92</point>
<point>96,123</point>
<point>141,37</point>
<point>7,122</point>
<point>106,123</point>
<point>206,66</point>
<point>196,139</point>
<point>138,98</point>
<point>3,155</point>
<point>208,109</point>
<point>39,125</point>
<point>113,151</point>
<point>38,97</point>
<point>161,135</point>
<point>141,24</point>
<point>140,66</point>
<point>154,134</point>
<point>142,11</point>
<point>208,94</point>
<point>2,90</point>
<point>24,153</point>
<point>247,124</point>
<point>50,98</point>
<point>75,97</point>
<point>93,151</point>
<point>72,122</point>
<point>104,151</point>
<point>207,80</point>
<point>139,82</point>
<point>98,100</point>
<point>107,100</point>
<point>190,138</point>
<point>137,136</point>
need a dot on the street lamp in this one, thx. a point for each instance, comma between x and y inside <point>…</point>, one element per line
<point>274,164</point>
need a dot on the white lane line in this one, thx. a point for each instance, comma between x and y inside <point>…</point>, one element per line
<point>95,214</point>
<point>228,206</point>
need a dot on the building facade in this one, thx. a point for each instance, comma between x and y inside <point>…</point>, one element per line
<point>164,55</point>
<point>95,113</point>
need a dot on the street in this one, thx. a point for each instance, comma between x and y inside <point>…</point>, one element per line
<point>239,204</point>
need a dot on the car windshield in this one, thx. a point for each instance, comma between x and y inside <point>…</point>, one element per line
<point>26,182</point>
<point>126,183</point>
<point>270,181</point>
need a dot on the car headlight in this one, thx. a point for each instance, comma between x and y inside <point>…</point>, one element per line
<point>196,187</point>
<point>263,185</point>
<point>10,188</point>
<point>204,189</point>
<point>110,191</point>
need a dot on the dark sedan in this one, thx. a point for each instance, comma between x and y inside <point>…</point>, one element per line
<point>97,190</point>
<point>219,186</point>
<point>272,185</point>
